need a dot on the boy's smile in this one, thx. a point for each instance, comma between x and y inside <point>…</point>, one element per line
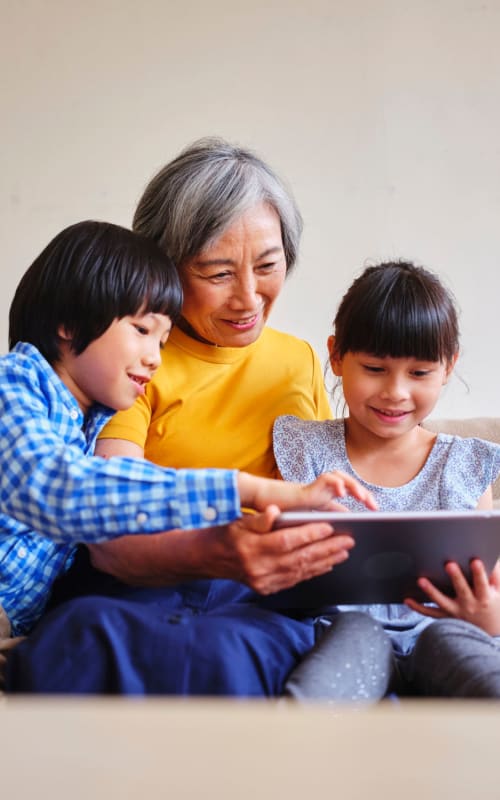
<point>115,368</point>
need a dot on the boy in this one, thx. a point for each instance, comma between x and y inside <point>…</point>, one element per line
<point>87,323</point>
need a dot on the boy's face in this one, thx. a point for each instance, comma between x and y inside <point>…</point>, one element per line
<point>115,368</point>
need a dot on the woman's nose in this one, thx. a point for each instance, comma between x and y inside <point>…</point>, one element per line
<point>245,292</point>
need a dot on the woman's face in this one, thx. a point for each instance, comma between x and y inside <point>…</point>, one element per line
<point>231,285</point>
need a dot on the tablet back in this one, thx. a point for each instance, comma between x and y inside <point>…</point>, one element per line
<point>392,550</point>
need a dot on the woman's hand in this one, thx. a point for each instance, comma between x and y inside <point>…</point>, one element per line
<point>478,602</point>
<point>247,550</point>
<point>321,494</point>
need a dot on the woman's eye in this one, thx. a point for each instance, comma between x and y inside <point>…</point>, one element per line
<point>266,267</point>
<point>142,330</point>
<point>219,276</point>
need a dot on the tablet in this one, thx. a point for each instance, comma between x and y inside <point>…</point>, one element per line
<point>392,550</point>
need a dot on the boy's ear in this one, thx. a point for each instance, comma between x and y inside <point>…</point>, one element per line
<point>335,360</point>
<point>64,334</point>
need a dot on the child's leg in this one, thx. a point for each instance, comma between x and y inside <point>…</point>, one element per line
<point>453,658</point>
<point>353,660</point>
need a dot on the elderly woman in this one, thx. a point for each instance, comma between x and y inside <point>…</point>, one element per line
<point>233,231</point>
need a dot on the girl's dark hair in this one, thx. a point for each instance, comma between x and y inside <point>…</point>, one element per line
<point>400,310</point>
<point>89,275</point>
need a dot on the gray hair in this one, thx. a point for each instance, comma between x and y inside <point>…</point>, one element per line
<point>194,198</point>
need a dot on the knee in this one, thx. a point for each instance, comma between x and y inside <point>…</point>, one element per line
<point>445,635</point>
<point>358,623</point>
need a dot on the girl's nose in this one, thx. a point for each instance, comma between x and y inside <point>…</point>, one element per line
<point>395,389</point>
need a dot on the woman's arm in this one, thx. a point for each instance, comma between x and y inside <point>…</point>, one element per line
<point>118,447</point>
<point>247,550</point>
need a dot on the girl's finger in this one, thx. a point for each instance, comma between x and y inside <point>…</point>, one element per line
<point>495,576</point>
<point>461,586</point>
<point>480,580</point>
<point>427,611</point>
<point>445,603</point>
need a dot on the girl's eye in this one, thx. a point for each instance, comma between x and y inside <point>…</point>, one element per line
<point>142,330</point>
<point>421,373</point>
<point>372,368</point>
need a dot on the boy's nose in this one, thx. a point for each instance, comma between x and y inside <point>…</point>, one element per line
<point>152,359</point>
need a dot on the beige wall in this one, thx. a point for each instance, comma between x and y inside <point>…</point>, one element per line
<point>383,115</point>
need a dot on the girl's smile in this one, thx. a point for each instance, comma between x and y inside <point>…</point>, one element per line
<point>387,396</point>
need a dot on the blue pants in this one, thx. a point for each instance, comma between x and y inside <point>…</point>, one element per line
<point>198,638</point>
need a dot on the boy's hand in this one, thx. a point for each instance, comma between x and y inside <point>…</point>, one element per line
<point>319,494</point>
<point>478,603</point>
<point>258,493</point>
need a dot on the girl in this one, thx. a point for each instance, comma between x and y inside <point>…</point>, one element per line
<point>395,346</point>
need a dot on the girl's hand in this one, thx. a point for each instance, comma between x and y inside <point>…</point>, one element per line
<point>478,603</point>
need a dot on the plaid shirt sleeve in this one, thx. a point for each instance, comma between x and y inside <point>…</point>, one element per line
<point>55,489</point>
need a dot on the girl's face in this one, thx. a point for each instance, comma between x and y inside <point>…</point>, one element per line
<point>115,368</point>
<point>389,396</point>
<point>230,287</point>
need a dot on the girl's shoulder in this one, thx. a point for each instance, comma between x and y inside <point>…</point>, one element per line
<point>470,447</point>
<point>303,449</point>
<point>289,426</point>
<point>469,465</point>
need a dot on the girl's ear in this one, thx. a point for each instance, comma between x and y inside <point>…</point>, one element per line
<point>335,360</point>
<point>450,367</point>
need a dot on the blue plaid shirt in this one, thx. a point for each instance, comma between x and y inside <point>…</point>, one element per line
<point>50,484</point>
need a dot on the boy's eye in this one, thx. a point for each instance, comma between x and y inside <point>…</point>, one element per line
<point>421,373</point>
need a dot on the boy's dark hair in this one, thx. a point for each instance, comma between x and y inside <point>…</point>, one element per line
<point>90,274</point>
<point>400,310</point>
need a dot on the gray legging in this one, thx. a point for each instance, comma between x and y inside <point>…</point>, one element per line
<point>354,661</point>
<point>453,658</point>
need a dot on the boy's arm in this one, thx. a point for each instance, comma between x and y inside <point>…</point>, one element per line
<point>56,490</point>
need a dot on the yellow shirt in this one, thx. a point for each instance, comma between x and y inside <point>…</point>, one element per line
<point>211,406</point>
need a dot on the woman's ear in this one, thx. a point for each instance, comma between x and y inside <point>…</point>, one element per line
<point>335,360</point>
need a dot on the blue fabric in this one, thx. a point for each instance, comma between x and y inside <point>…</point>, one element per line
<point>49,487</point>
<point>198,638</point>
